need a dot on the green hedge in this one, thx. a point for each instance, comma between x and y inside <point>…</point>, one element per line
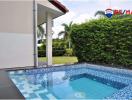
<point>104,41</point>
<point>69,52</point>
<point>56,52</point>
<point>58,48</point>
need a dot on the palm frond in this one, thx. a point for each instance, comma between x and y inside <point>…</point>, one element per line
<point>61,33</point>
<point>101,13</point>
<point>71,23</point>
<point>67,31</point>
<point>40,32</point>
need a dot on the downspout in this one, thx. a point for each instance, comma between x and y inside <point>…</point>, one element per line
<point>35,52</point>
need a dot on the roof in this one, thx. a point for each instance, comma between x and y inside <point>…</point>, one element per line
<point>59,5</point>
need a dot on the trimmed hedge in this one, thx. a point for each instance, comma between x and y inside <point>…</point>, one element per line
<point>105,41</point>
<point>56,52</point>
<point>69,52</point>
<point>58,48</point>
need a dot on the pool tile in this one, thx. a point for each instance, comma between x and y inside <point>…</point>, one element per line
<point>51,97</point>
<point>107,73</point>
<point>26,95</point>
<point>41,91</point>
<point>42,95</point>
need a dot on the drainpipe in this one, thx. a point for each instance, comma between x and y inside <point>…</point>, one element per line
<point>35,53</point>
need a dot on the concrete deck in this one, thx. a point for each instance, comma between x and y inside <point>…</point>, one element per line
<point>7,89</point>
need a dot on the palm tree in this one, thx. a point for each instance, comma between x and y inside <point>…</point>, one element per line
<point>100,13</point>
<point>67,33</point>
<point>40,32</point>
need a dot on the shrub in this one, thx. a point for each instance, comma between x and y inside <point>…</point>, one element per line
<point>58,48</point>
<point>69,52</point>
<point>107,41</point>
<point>41,53</point>
<point>58,51</point>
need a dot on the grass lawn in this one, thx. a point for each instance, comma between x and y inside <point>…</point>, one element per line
<point>60,60</point>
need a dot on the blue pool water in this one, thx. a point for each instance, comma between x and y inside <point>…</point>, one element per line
<point>66,83</point>
<point>82,88</point>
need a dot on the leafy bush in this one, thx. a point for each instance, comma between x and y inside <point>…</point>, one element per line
<point>69,52</point>
<point>107,41</point>
<point>41,53</point>
<point>58,48</point>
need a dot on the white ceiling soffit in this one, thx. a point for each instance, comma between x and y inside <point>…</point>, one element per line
<point>44,7</point>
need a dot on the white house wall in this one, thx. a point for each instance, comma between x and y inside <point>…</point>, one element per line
<point>16,50</point>
<point>16,33</point>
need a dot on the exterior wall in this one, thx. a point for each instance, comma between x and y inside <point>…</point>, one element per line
<point>16,50</point>
<point>16,33</point>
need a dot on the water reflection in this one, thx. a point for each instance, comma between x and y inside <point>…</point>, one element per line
<point>48,79</point>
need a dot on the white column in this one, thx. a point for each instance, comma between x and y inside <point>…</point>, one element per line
<point>49,39</point>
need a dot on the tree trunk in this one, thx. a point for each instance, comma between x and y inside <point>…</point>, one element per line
<point>69,44</point>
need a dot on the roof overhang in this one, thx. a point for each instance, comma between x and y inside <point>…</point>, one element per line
<point>53,6</point>
<point>59,5</point>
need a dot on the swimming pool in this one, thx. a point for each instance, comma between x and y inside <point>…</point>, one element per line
<point>81,81</point>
